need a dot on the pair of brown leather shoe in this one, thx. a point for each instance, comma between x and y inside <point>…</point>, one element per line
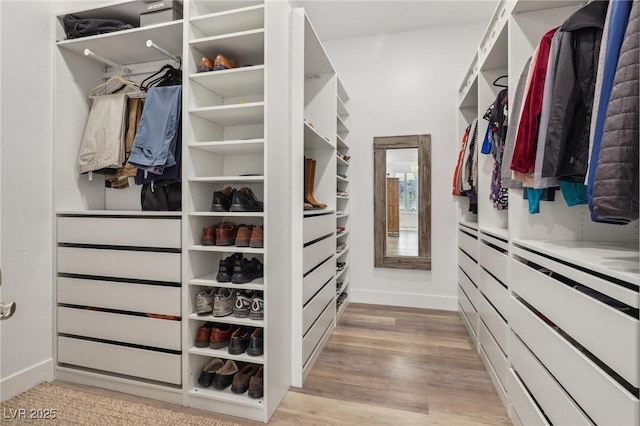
<point>228,234</point>
<point>219,63</point>
<point>214,335</point>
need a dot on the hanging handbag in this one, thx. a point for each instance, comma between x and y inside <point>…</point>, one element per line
<point>161,196</point>
<point>76,27</point>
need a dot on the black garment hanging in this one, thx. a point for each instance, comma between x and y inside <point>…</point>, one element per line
<point>171,77</point>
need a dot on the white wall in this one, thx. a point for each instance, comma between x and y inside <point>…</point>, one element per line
<point>26,190</point>
<point>404,84</point>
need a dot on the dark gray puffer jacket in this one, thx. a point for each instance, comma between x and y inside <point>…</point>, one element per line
<point>615,186</point>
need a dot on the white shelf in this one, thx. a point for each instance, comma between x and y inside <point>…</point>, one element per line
<point>342,93</point>
<point>229,319</point>
<point>341,161</point>
<point>228,179</point>
<point>342,127</point>
<point>619,260</point>
<point>472,225</point>
<point>209,280</point>
<point>246,47</point>
<point>342,197</point>
<point>241,147</point>
<point>227,249</point>
<point>342,234</point>
<point>224,353</point>
<point>342,308</point>
<point>316,60</point>
<point>341,179</point>
<point>227,396</point>
<point>342,145</point>
<point>230,21</point>
<point>232,115</point>
<point>345,284</point>
<point>522,6</point>
<point>342,253</point>
<point>341,273</point>
<point>129,46</point>
<point>340,216</point>
<point>313,139</point>
<point>226,214</point>
<point>232,82</point>
<point>500,233</point>
<point>342,110</point>
<point>316,212</point>
<point>136,213</point>
<point>224,5</point>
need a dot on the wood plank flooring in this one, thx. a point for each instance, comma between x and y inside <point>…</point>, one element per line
<point>392,366</point>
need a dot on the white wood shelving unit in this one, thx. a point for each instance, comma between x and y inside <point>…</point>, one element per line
<point>551,299</point>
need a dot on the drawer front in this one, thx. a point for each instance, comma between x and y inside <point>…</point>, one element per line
<point>496,325</point>
<point>318,226</point>
<point>468,243</point>
<point>143,265</point>
<point>527,411</point>
<point>497,294</point>
<point>468,287</point>
<point>604,400</point>
<point>468,266</point>
<point>135,232</point>
<point>138,330</point>
<point>497,359</point>
<point>494,262</point>
<point>315,333</point>
<point>152,365</point>
<point>317,278</point>
<point>606,332</point>
<point>157,299</point>
<point>315,253</point>
<point>468,310</point>
<point>555,402</point>
<point>316,305</point>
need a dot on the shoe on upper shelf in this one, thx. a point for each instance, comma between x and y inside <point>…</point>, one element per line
<point>245,271</point>
<point>203,335</point>
<point>256,343</point>
<point>241,379</point>
<point>224,376</point>
<point>223,301</point>
<point>257,237</point>
<point>205,65</point>
<point>220,335</point>
<point>243,238</point>
<point>226,233</point>
<point>221,62</point>
<point>225,269</point>
<point>209,372</point>
<point>204,303</point>
<point>244,200</point>
<point>340,247</point>
<point>256,385</point>
<point>208,236</point>
<point>257,308</point>
<point>222,200</point>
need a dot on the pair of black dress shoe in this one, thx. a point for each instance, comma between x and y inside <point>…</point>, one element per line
<point>246,339</point>
<point>235,200</point>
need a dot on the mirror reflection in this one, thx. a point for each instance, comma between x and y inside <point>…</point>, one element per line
<point>402,202</point>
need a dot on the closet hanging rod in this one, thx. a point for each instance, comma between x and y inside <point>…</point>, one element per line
<point>151,44</point>
<point>106,61</point>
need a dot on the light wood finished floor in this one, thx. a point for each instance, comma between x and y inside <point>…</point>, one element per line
<point>390,366</point>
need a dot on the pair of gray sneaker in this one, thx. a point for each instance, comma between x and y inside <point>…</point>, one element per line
<point>219,302</point>
<point>249,304</point>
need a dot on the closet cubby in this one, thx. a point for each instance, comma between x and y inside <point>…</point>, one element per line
<point>550,299</point>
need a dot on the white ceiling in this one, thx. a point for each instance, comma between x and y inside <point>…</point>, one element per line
<point>341,19</point>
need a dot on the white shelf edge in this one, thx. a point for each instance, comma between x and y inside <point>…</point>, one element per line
<point>223,353</point>
<point>340,216</point>
<point>226,107</point>
<point>342,253</point>
<point>342,234</point>
<point>227,396</point>
<point>229,319</point>
<point>341,273</point>
<point>342,308</point>
<point>209,280</point>
<point>224,13</point>
<point>226,249</point>
<point>226,214</point>
<point>117,213</point>
<point>203,40</point>
<point>227,179</point>
<point>203,75</point>
<point>341,179</point>
<point>316,212</point>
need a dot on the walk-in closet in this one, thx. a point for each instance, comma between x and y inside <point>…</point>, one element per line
<point>195,217</point>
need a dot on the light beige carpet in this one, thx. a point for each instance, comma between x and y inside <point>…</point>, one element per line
<point>74,407</point>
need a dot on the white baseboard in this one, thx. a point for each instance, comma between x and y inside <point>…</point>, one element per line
<point>410,300</point>
<point>26,379</point>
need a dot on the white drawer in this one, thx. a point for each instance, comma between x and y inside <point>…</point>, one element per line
<point>496,325</point>
<point>116,231</point>
<point>528,414</point>
<point>317,278</point>
<point>468,266</point>
<point>315,253</point>
<point>609,334</point>
<point>494,291</point>
<point>147,364</point>
<point>316,305</point>
<point>143,265</point>
<point>495,262</point>
<point>138,330</point>
<point>468,287</point>
<point>469,311</point>
<point>318,226</point>
<point>497,359</point>
<point>603,399</point>
<point>555,402</point>
<point>468,244</point>
<point>315,333</point>
<point>157,299</point>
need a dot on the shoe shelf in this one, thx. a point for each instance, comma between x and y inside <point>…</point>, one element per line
<point>341,161</point>
<point>342,93</point>
<point>209,280</point>
<point>313,139</point>
<point>342,127</point>
<point>226,214</point>
<point>340,274</point>
<point>227,396</point>
<point>119,213</point>
<point>129,46</point>
<point>341,309</point>
<point>232,82</point>
<point>227,249</point>
<point>342,234</point>
<point>228,179</point>
<point>316,212</point>
<point>230,21</point>
<point>342,216</point>
<point>342,109</point>
<point>208,7</point>
<point>345,284</point>
<point>229,319</point>
<point>341,179</point>
<point>342,253</point>
<point>342,146</point>
<point>246,47</point>
<point>223,353</point>
<point>342,197</point>
<point>236,147</point>
<point>232,115</point>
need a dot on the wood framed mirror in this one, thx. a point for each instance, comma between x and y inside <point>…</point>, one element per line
<point>402,201</point>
